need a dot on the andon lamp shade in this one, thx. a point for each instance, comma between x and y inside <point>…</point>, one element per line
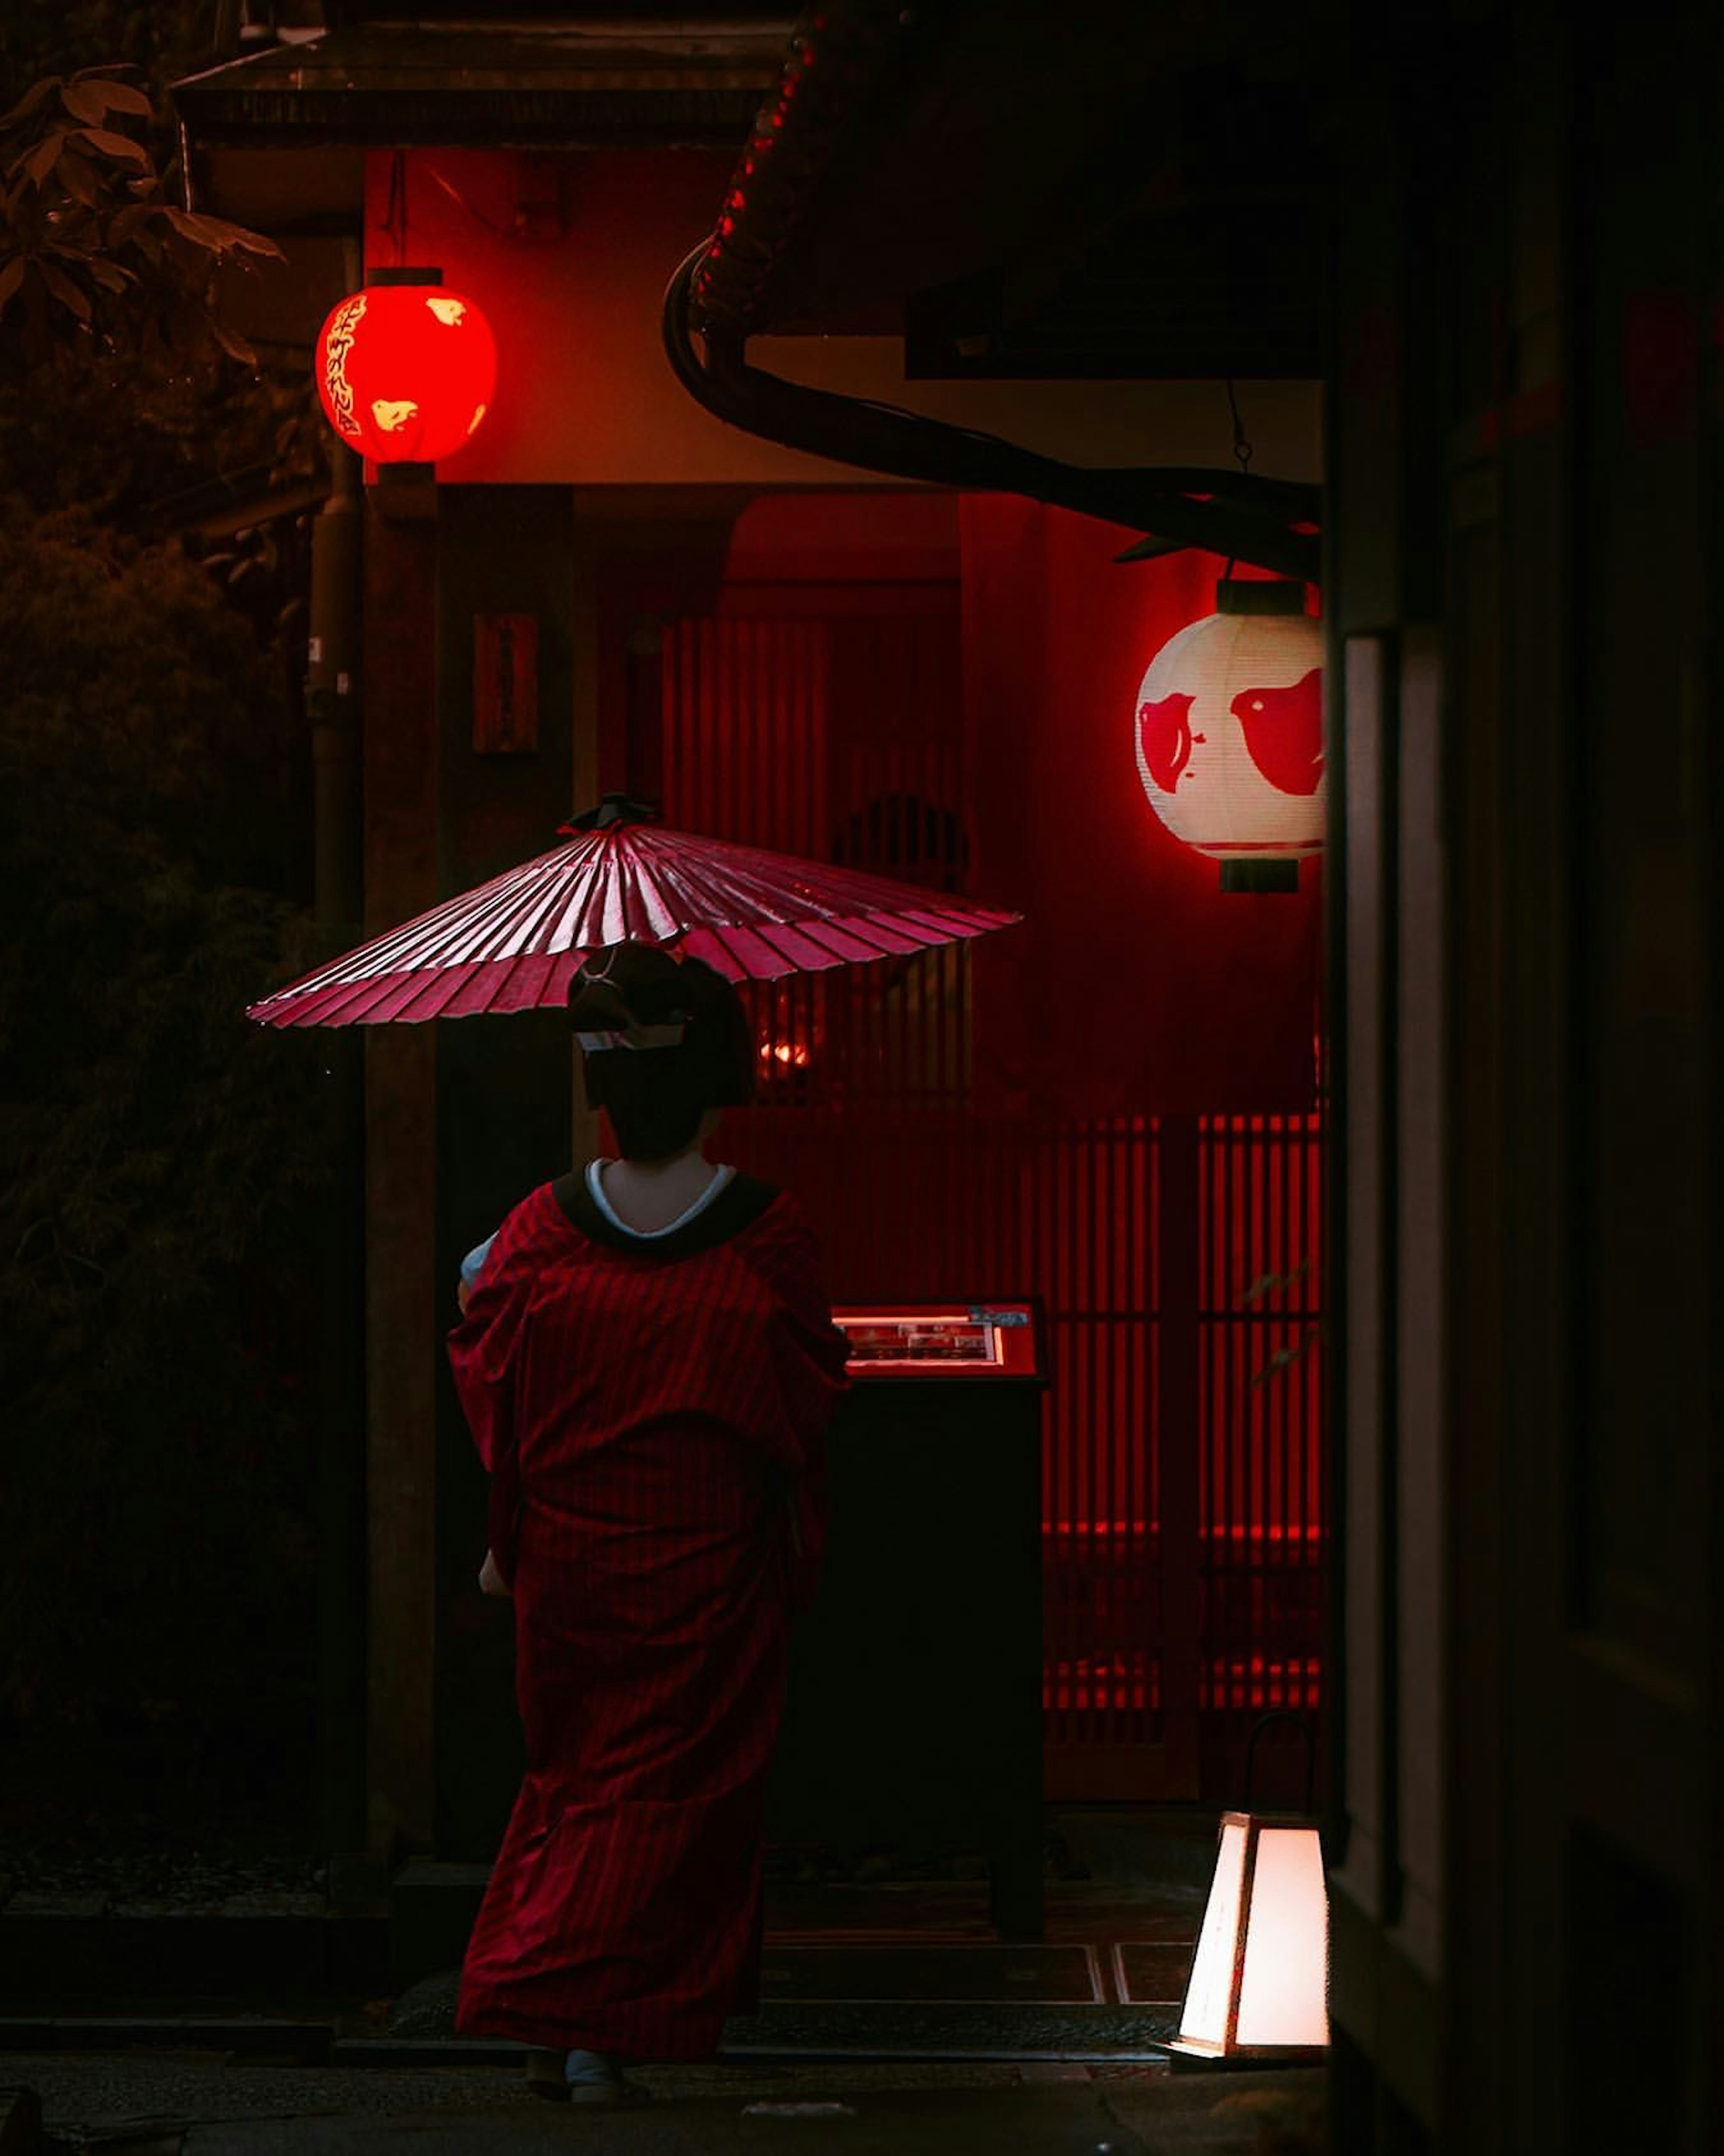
<point>1259,1988</point>
<point>406,373</point>
<point>1229,730</point>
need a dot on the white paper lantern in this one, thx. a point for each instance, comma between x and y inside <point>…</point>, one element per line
<point>1259,1987</point>
<point>1228,728</point>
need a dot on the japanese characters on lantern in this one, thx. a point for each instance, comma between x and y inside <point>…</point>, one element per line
<point>406,373</point>
<point>1228,728</point>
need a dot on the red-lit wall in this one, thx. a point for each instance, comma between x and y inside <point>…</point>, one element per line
<point>1137,985</point>
<point>1110,1107</point>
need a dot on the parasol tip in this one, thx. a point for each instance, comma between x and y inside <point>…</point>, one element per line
<point>614,808</point>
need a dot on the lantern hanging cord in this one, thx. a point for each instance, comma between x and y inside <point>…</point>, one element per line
<point>455,194</point>
<point>395,216</point>
<point>1242,450</point>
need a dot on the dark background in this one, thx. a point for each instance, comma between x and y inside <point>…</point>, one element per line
<point>159,1175</point>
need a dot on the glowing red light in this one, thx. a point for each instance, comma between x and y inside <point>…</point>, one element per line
<point>406,373</point>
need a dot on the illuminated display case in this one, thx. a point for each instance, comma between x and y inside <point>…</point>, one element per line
<point>929,1341</point>
<point>913,1716</point>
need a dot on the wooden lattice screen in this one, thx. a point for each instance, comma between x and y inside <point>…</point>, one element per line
<point>1182,1528</point>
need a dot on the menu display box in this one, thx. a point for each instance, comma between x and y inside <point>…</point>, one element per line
<point>959,1340</point>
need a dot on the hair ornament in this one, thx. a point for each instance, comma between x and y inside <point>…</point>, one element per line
<point>634,1036</point>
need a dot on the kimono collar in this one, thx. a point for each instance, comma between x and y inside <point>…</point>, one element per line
<point>737,1206</point>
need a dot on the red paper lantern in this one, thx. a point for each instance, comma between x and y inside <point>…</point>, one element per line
<point>406,371</point>
<point>1228,729</point>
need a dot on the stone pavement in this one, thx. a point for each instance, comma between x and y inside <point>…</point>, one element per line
<point>198,2104</point>
<point>850,1963</point>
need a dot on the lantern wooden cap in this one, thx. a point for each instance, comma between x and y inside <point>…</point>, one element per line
<point>1257,597</point>
<point>1264,874</point>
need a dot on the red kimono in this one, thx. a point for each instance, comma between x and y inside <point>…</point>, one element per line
<point>650,1412</point>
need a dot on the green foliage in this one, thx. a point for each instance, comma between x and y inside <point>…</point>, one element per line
<point>160,39</point>
<point>122,388</point>
<point>159,1165</point>
<point>158,1170</point>
<point>91,241</point>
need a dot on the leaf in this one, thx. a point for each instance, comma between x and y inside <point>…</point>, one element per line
<point>85,102</point>
<point>78,180</point>
<point>37,93</point>
<point>218,235</point>
<point>115,96</point>
<point>232,342</point>
<point>126,222</point>
<point>110,274</point>
<point>120,148</point>
<point>43,159</point>
<point>11,275</point>
<point>189,226</point>
<point>70,296</point>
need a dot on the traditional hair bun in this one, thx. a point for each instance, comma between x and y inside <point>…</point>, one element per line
<point>655,987</point>
<point>665,1039</point>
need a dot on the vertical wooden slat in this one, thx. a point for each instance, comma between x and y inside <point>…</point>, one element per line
<point>1095,1435</point>
<point>1181,1528</point>
<point>1178,1246</point>
<point>1253,1420</point>
<point>1288,1394</point>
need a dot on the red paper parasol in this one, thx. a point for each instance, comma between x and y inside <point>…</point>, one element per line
<point>514,943</point>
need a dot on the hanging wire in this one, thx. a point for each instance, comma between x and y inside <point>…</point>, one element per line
<point>455,194</point>
<point>1242,450</point>
<point>395,216</point>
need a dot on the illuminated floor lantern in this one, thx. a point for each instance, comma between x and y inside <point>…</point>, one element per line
<point>1259,1988</point>
<point>1230,735</point>
<point>406,369</point>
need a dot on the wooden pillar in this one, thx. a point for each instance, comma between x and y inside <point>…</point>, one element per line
<point>333,706</point>
<point>587,779</point>
<point>502,1109</point>
<point>401,784</point>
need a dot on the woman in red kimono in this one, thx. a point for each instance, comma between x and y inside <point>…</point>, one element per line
<point>646,1360</point>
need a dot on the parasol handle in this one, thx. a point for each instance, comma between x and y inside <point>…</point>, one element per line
<point>613,809</point>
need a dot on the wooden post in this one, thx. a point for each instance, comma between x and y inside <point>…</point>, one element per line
<point>333,706</point>
<point>502,1103</point>
<point>401,770</point>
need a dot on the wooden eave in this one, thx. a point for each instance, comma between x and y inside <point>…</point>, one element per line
<point>906,151</point>
<point>555,87</point>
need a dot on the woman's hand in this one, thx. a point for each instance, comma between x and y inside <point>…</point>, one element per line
<point>490,1580</point>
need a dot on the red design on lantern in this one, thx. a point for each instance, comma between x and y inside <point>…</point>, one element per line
<point>1164,739</point>
<point>1230,734</point>
<point>406,373</point>
<point>1284,733</point>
